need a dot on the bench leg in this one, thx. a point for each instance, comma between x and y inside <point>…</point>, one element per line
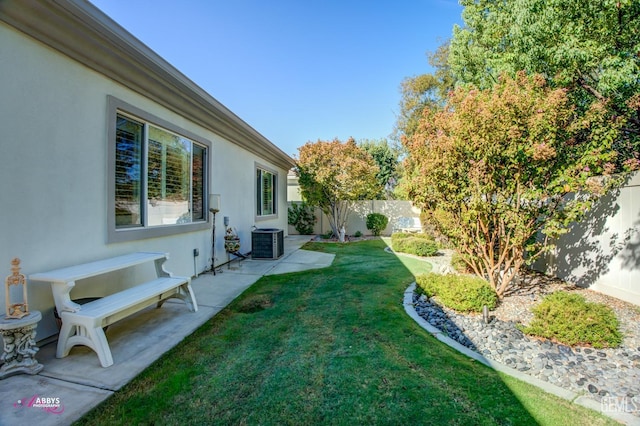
<point>189,297</point>
<point>184,293</point>
<point>78,334</point>
<point>101,346</point>
<point>66,331</point>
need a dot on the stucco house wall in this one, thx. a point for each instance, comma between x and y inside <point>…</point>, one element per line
<point>61,64</point>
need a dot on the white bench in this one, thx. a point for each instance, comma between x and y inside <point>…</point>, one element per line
<point>408,224</point>
<point>82,324</point>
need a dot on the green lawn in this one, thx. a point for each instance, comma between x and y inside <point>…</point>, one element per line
<point>328,346</point>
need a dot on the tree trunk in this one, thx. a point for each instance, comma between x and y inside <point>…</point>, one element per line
<point>338,213</point>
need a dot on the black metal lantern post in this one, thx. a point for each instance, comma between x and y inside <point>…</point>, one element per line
<point>214,207</point>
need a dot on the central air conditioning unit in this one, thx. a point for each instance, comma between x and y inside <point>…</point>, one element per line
<point>267,243</point>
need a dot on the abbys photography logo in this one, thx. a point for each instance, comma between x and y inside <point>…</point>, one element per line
<point>49,404</point>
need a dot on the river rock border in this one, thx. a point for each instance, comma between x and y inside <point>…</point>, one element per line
<point>603,380</point>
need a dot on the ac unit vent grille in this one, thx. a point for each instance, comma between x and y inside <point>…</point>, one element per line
<point>267,243</point>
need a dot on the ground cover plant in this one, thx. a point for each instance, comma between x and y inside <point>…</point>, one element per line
<point>330,346</point>
<point>568,318</point>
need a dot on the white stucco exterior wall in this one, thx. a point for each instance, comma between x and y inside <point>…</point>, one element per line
<point>53,175</point>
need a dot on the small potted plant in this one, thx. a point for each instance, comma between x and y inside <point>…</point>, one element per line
<point>231,241</point>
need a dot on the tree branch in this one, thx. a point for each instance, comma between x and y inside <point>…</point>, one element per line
<point>583,83</point>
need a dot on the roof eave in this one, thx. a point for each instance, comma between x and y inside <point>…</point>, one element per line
<point>82,32</point>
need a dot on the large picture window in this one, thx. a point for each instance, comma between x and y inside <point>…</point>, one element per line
<point>266,184</point>
<point>158,177</point>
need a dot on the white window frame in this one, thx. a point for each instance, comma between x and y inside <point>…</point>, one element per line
<point>259,194</point>
<point>118,107</point>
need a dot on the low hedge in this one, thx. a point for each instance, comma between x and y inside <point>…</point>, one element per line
<point>396,236</point>
<point>464,293</point>
<point>418,244</point>
<point>568,318</point>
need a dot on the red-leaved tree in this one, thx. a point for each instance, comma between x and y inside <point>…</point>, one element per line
<point>496,168</point>
<point>333,174</point>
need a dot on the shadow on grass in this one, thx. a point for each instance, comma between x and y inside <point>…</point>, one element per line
<point>327,346</point>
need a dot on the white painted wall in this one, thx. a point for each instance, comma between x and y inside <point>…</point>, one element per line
<point>53,175</point>
<point>396,211</point>
<point>293,188</point>
<point>603,251</point>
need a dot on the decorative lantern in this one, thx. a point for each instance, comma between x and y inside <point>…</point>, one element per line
<point>16,300</point>
<point>214,203</point>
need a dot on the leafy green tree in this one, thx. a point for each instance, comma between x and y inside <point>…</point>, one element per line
<point>419,92</point>
<point>424,90</point>
<point>387,159</point>
<point>333,175</point>
<point>494,168</point>
<point>591,48</point>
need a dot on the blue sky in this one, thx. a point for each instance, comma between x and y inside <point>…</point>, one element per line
<point>296,70</point>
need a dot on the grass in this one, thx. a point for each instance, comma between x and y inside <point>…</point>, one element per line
<point>331,346</point>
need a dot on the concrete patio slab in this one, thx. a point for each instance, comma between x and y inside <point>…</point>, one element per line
<point>22,400</point>
<point>249,267</point>
<point>135,343</point>
<point>77,383</point>
<point>219,290</point>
